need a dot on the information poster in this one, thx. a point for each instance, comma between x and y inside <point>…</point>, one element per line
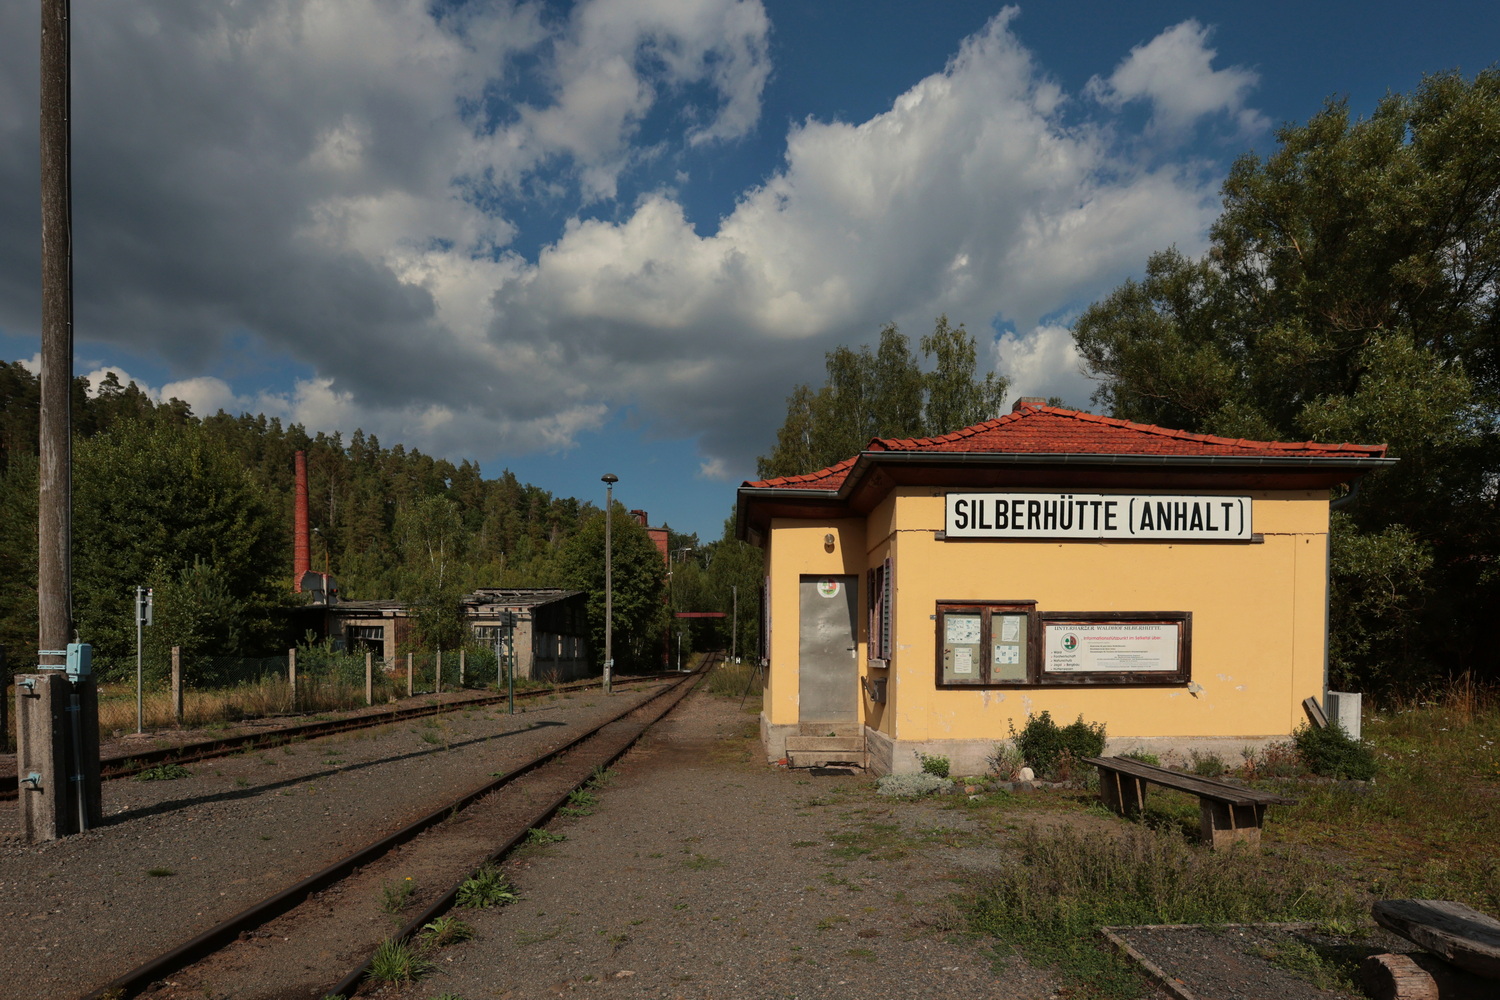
<point>1073,648</point>
<point>962,656</point>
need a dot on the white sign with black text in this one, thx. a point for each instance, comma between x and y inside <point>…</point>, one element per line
<point>1095,515</point>
<point>1108,648</point>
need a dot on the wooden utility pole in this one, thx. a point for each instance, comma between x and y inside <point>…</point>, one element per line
<point>57,724</point>
<point>54,495</point>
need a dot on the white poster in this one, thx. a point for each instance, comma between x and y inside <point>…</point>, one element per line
<point>963,660</point>
<point>1109,648</point>
<point>962,630</point>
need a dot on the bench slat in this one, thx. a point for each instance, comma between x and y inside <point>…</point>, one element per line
<point>1221,791</point>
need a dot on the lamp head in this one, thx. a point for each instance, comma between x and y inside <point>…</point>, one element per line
<point>610,478</point>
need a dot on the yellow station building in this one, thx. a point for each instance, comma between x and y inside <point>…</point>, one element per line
<point>926,595</point>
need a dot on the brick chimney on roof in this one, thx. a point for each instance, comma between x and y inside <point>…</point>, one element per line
<point>1027,402</point>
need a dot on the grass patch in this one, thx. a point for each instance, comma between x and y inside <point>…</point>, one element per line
<point>701,862</point>
<point>732,680</point>
<point>1421,829</point>
<point>160,872</point>
<point>398,962</point>
<point>1325,967</point>
<point>164,772</point>
<point>1064,886</point>
<point>580,803</point>
<point>537,836</point>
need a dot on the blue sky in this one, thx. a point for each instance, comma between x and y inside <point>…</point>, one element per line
<point>571,239</point>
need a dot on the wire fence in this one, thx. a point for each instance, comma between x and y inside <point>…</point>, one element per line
<point>227,689</point>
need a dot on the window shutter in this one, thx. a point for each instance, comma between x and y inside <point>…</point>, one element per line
<point>885,608</point>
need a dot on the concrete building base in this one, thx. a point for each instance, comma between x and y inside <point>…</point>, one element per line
<point>970,757</point>
<point>885,755</point>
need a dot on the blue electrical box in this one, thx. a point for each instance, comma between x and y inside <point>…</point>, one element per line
<point>80,660</point>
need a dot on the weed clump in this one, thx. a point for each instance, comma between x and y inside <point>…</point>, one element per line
<point>1004,760</point>
<point>164,772</point>
<point>487,887</point>
<point>1050,748</point>
<point>933,764</point>
<point>911,786</point>
<point>398,962</point>
<point>1333,753</point>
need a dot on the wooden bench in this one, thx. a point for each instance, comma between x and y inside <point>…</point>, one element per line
<point>1229,814</point>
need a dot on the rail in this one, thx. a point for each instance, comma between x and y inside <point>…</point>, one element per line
<point>205,944</point>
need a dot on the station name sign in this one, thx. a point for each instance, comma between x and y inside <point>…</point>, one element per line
<point>1098,516</point>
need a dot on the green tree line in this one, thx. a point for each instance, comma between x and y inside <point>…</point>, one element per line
<point>200,509</point>
<point>1349,293</point>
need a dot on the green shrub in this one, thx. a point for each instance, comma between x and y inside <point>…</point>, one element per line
<point>1333,753</point>
<point>1207,765</point>
<point>1044,745</point>
<point>1143,757</point>
<point>933,764</point>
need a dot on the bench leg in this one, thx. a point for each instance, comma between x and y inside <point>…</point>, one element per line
<point>1223,825</point>
<point>1121,793</point>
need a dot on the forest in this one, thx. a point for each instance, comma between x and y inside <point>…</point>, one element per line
<point>200,510</point>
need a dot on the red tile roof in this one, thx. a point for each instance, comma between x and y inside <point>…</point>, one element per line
<point>1051,430</point>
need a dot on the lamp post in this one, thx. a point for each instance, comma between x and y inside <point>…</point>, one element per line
<point>609,479</point>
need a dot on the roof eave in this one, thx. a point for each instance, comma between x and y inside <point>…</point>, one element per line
<point>1355,465</point>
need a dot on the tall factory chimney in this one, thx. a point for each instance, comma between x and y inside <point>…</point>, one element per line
<point>302,544</point>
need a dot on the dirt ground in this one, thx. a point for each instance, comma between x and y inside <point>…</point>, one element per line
<point>701,872</point>
<point>705,873</point>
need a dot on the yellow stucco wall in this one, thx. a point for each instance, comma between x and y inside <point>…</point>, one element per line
<point>1257,629</point>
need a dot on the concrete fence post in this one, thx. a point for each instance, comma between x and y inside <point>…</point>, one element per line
<point>57,759</point>
<point>369,678</point>
<point>177,684</point>
<point>409,688</point>
<point>462,660</point>
<point>291,675</point>
<point>437,673</point>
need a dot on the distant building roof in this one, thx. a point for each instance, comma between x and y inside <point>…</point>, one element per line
<point>518,597</point>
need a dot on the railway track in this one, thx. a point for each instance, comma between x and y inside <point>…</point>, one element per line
<point>129,765</point>
<point>290,943</point>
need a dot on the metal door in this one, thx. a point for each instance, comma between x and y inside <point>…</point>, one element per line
<point>828,651</point>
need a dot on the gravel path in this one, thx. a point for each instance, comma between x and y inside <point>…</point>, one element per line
<point>703,873</point>
<point>175,857</point>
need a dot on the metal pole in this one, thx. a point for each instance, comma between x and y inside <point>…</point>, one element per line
<point>54,478</point>
<point>609,583</point>
<point>734,635</point>
<point>139,712</point>
<point>510,661</point>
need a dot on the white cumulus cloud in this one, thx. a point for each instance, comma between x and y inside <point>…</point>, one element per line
<point>1174,72</point>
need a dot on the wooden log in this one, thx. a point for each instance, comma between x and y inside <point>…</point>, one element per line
<point>1419,977</point>
<point>1458,933</point>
